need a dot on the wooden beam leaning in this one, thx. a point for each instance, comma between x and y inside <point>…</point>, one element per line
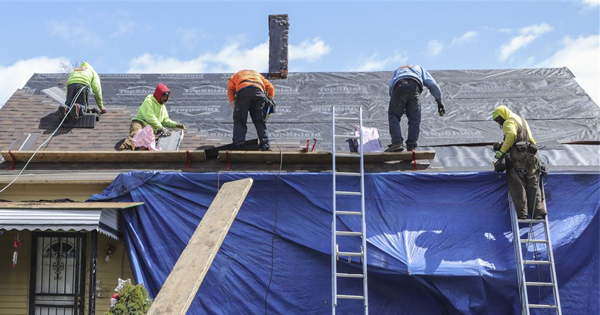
<point>105,156</point>
<point>182,284</point>
<point>319,157</point>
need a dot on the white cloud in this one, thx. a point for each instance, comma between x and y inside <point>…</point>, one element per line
<point>591,3</point>
<point>505,30</point>
<point>466,37</point>
<point>434,47</point>
<point>190,37</point>
<point>375,62</point>
<point>527,35</point>
<point>580,55</point>
<point>75,33</point>
<point>230,58</point>
<point>15,76</point>
<point>311,50</point>
<point>123,28</point>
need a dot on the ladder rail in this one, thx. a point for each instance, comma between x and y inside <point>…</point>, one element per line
<point>362,209</point>
<point>333,224</point>
<point>519,257</point>
<point>551,258</point>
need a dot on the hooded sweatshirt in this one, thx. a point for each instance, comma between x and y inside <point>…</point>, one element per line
<point>246,78</point>
<point>153,113</point>
<point>418,74</point>
<point>86,75</point>
<point>510,127</point>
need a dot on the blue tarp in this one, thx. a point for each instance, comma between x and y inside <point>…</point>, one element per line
<point>437,243</point>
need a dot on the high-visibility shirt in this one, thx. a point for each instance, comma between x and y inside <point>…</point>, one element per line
<point>246,78</point>
<point>86,75</point>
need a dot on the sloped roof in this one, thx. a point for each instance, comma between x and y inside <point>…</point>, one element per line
<point>556,107</point>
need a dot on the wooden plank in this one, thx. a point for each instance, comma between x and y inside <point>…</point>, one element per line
<point>319,157</point>
<point>187,275</point>
<point>105,156</point>
<point>68,205</point>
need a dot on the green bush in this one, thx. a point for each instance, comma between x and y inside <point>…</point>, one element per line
<point>133,300</point>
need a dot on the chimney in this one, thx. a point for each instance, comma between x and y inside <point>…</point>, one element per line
<point>279,26</point>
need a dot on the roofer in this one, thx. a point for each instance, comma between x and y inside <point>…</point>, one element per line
<point>81,79</point>
<point>154,113</point>
<point>246,90</point>
<point>405,88</point>
<point>523,167</point>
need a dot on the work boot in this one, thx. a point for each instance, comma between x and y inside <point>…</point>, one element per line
<point>265,148</point>
<point>395,147</point>
<point>540,217</point>
<point>62,112</point>
<point>411,148</point>
<point>522,217</point>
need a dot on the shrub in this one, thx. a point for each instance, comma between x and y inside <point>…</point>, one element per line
<point>133,300</point>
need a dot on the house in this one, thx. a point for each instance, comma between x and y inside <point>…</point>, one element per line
<point>562,117</point>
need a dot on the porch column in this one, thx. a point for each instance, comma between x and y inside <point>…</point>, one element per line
<point>93,265</point>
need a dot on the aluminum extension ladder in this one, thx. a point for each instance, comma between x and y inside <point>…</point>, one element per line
<point>335,250</point>
<point>533,241</point>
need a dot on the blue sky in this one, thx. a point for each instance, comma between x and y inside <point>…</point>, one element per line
<point>201,36</point>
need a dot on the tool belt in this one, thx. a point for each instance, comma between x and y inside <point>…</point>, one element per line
<point>526,147</point>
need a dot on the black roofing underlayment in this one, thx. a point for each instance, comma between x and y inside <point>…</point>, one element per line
<point>556,107</point>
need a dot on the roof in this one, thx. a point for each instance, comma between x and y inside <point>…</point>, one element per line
<point>561,115</point>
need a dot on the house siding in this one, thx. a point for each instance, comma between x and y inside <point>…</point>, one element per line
<point>35,192</point>
<point>14,282</point>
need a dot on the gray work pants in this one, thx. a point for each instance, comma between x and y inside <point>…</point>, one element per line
<point>405,99</point>
<point>523,184</point>
<point>249,100</point>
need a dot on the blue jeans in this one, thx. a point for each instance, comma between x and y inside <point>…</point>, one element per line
<point>405,99</point>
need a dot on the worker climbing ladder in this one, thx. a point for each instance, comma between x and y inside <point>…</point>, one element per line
<point>535,243</point>
<point>335,233</point>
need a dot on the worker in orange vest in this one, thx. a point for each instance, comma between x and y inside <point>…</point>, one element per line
<point>248,91</point>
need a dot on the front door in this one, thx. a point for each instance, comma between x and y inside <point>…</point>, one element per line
<point>57,274</point>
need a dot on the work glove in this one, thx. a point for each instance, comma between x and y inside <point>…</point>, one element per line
<point>497,146</point>
<point>499,154</point>
<point>232,104</point>
<point>180,126</point>
<point>103,111</point>
<point>441,108</point>
<point>164,132</point>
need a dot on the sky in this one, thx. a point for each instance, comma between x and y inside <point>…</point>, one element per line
<point>226,36</point>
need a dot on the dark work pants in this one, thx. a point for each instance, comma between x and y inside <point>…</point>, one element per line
<point>405,99</point>
<point>524,185</point>
<point>249,100</point>
<point>82,100</point>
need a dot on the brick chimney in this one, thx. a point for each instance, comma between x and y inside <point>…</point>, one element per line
<point>279,26</point>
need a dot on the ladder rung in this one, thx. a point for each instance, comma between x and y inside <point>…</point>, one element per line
<point>348,193</point>
<point>540,284</point>
<point>346,118</point>
<point>541,306</point>
<point>347,137</point>
<point>533,241</point>
<point>347,174</point>
<point>348,212</point>
<point>355,155</point>
<point>349,275</point>
<point>350,297</point>
<point>349,254</point>
<point>531,221</point>
<point>348,233</point>
<point>536,262</point>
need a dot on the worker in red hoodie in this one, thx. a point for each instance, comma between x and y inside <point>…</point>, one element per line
<point>248,91</point>
<point>154,113</point>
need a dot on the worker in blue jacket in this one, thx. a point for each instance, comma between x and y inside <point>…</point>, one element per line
<point>406,86</point>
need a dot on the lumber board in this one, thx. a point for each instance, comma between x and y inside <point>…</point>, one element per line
<point>319,157</point>
<point>105,156</point>
<point>182,284</point>
<point>68,205</point>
